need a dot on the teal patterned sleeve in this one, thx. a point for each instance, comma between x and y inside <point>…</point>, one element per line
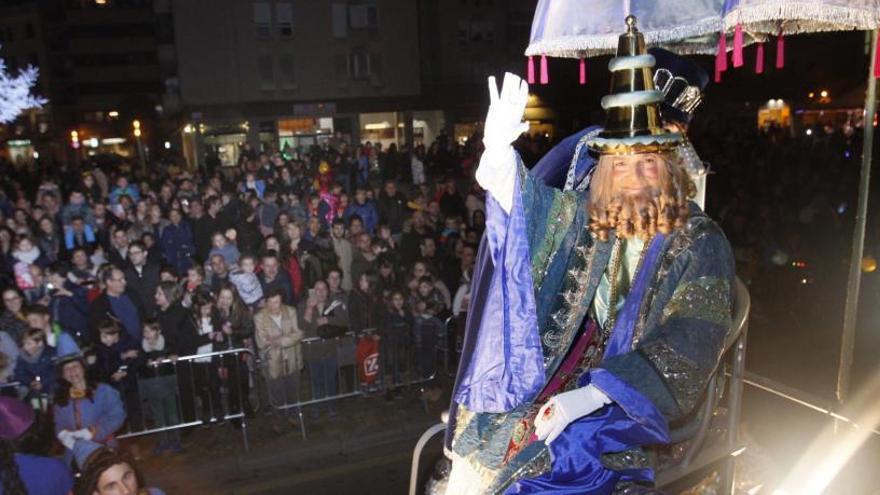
<point>550,214</point>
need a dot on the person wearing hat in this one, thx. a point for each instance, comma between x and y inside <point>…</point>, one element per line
<point>611,308</point>
<point>22,470</point>
<point>85,409</point>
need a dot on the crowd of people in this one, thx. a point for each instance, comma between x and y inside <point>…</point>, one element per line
<point>127,293</point>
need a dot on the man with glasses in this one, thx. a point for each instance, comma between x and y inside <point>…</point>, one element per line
<point>142,277</point>
<point>116,303</point>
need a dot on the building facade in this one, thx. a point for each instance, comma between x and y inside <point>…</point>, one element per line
<point>281,73</point>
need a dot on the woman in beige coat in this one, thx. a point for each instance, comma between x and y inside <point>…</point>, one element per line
<point>279,340</point>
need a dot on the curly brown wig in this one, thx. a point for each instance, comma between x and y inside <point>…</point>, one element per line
<point>661,210</point>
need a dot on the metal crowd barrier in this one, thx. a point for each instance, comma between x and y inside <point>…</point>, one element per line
<point>331,370</point>
<point>214,382</point>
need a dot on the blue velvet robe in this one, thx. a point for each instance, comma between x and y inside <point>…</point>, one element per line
<point>668,339</point>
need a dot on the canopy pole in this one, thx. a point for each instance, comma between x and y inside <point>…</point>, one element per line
<point>858,245</point>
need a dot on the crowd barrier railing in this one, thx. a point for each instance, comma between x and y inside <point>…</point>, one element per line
<point>200,389</point>
<point>349,366</point>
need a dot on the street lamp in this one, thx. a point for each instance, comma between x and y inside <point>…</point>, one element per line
<point>136,125</point>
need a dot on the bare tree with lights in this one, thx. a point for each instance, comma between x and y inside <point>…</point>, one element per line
<point>15,92</point>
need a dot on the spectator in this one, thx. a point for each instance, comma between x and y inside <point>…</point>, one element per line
<point>272,278</point>
<point>365,304</point>
<point>68,304</point>
<point>392,207</point>
<point>115,303</point>
<point>421,269</point>
<point>334,286</point>
<point>364,209</point>
<point>82,271</point>
<point>118,253</point>
<point>91,410</point>
<point>118,359</point>
<point>195,282</point>
<point>222,247</point>
<point>177,242</point>
<point>12,320</point>
<point>395,333</point>
<point>157,385</point>
<point>141,277</point>
<point>279,337</point>
<point>246,282</point>
<point>343,251</point>
<point>38,316</point>
<point>77,207</point>
<point>322,320</point>
<point>8,358</point>
<point>219,272</point>
<point>48,239</point>
<point>205,369</point>
<point>363,259</point>
<point>35,367</point>
<point>451,204</point>
<point>238,331</point>
<point>79,235</point>
<point>205,225</point>
<point>124,189</point>
<point>181,338</point>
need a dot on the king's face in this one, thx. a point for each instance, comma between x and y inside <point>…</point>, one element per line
<point>633,175</point>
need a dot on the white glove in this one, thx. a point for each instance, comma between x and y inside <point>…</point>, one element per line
<point>503,126</point>
<point>562,409</point>
<point>84,434</point>
<point>66,438</point>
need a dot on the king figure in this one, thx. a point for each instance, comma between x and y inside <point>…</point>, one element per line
<point>609,309</point>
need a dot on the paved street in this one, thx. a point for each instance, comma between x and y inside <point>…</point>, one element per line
<point>366,449</point>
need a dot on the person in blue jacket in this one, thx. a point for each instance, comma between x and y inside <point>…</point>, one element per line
<point>177,242</point>
<point>363,208</point>
<point>83,408</point>
<point>35,367</point>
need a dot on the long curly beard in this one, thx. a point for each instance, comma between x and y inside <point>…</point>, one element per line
<point>643,215</point>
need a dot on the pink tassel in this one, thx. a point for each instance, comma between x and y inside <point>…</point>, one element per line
<point>877,59</point>
<point>738,46</point>
<point>530,72</point>
<point>721,55</point>
<point>545,75</point>
<point>759,59</point>
<point>717,75</point>
<point>780,51</point>
<point>583,72</point>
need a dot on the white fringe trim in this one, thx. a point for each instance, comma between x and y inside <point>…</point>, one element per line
<point>804,17</point>
<point>589,45</point>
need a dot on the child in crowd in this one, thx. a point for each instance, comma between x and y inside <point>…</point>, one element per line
<point>118,358</point>
<point>35,368</point>
<point>223,247</point>
<point>157,385</point>
<point>38,317</point>
<point>246,282</point>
